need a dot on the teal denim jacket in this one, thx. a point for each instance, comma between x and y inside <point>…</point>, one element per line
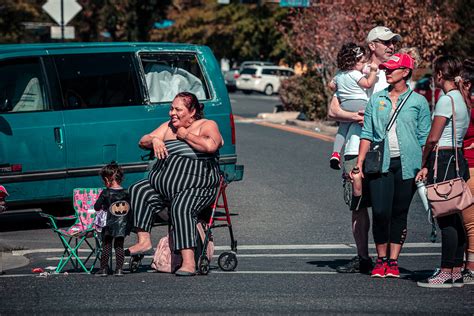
<point>412,128</point>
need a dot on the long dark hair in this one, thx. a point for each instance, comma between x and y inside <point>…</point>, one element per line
<point>451,68</point>
<point>192,103</point>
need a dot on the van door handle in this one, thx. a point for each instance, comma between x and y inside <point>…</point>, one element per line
<point>58,136</point>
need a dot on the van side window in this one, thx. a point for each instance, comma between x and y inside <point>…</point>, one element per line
<point>22,86</point>
<point>168,74</point>
<point>98,80</point>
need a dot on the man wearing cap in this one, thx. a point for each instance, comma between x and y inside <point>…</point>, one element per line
<point>381,43</point>
<point>398,119</point>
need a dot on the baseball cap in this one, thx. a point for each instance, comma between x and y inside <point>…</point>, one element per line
<point>398,61</point>
<point>382,33</point>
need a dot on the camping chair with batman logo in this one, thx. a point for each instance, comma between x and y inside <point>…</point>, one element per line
<point>77,235</point>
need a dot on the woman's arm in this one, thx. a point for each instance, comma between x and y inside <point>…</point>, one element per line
<point>437,127</point>
<point>209,139</point>
<point>336,113</point>
<point>155,141</point>
<point>146,142</point>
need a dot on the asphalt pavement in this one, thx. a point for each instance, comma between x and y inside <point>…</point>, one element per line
<point>292,228</point>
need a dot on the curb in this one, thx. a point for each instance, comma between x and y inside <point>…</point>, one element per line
<point>9,261</point>
<point>291,118</point>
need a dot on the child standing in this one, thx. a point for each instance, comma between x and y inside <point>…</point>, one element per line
<point>351,85</point>
<point>115,201</point>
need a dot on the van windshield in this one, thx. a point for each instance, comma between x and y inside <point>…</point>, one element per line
<point>168,74</point>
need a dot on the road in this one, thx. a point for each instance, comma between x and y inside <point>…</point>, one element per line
<point>292,227</point>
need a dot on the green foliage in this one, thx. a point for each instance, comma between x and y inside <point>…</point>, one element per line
<point>462,42</point>
<point>235,31</point>
<point>304,93</point>
<point>13,13</point>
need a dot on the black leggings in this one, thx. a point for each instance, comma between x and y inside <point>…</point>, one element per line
<point>453,236</point>
<point>391,197</point>
<point>107,249</point>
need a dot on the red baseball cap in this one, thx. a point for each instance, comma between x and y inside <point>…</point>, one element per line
<point>398,61</point>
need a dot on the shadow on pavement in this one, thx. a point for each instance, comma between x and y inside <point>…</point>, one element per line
<point>14,220</point>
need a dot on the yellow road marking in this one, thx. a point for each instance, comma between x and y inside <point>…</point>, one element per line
<point>292,129</point>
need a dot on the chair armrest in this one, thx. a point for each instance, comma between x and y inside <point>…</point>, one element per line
<point>57,218</point>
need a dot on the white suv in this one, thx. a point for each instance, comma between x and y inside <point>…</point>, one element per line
<point>264,79</point>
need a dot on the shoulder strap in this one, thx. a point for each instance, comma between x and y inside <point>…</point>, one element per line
<point>395,114</point>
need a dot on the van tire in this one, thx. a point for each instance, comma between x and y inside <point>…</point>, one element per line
<point>268,89</point>
<point>247,91</point>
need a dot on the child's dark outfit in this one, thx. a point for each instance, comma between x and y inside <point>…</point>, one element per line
<point>117,224</point>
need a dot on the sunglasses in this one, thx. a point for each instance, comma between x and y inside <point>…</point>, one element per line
<point>386,43</point>
<point>392,70</point>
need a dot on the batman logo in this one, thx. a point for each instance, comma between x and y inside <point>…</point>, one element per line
<point>120,208</point>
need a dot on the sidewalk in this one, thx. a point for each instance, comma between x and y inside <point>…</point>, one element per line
<point>9,261</point>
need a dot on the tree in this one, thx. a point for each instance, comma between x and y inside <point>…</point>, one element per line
<point>13,14</point>
<point>318,32</point>
<point>235,31</point>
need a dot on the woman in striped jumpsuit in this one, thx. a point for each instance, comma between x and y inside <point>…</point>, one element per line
<point>185,176</point>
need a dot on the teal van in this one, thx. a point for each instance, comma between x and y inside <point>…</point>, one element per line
<point>66,110</point>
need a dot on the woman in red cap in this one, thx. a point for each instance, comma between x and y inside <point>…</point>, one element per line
<point>447,74</point>
<point>398,120</point>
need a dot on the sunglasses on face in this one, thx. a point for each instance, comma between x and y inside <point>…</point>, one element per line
<point>392,70</point>
<point>386,43</point>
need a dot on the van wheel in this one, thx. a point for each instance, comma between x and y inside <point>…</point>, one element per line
<point>268,90</point>
<point>247,91</point>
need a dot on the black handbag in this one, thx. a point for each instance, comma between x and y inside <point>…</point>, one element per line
<point>374,157</point>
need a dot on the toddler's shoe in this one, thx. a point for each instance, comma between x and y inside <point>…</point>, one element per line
<point>335,161</point>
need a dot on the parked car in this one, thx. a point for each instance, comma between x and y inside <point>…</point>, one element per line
<point>66,110</point>
<point>249,63</point>
<point>230,78</point>
<point>264,79</point>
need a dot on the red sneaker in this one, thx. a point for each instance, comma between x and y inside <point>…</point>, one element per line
<point>335,161</point>
<point>392,269</point>
<point>379,270</point>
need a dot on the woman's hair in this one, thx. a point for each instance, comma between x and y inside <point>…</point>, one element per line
<point>349,55</point>
<point>451,69</point>
<point>191,102</point>
<point>467,79</point>
<point>112,172</point>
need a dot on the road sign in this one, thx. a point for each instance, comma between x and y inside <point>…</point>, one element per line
<point>295,3</point>
<point>56,32</point>
<point>70,9</point>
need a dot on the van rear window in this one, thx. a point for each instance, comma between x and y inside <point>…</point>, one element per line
<point>167,74</point>
<point>22,86</point>
<point>98,80</point>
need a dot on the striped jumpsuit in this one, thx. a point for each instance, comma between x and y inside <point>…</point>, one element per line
<point>187,180</point>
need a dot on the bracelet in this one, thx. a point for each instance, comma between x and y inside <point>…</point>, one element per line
<point>355,170</point>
